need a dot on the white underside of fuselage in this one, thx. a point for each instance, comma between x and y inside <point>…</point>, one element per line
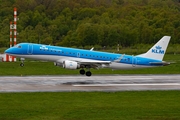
<point>60,59</point>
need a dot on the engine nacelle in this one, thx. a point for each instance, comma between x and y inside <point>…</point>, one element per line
<point>58,64</point>
<point>70,65</point>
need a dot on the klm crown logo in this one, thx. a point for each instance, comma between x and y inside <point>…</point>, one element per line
<point>158,50</point>
<point>158,47</point>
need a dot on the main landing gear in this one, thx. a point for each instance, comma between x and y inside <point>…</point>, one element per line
<point>88,73</point>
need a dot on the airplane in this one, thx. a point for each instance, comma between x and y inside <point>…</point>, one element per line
<point>71,58</point>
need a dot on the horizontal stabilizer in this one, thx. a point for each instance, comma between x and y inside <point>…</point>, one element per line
<point>160,63</point>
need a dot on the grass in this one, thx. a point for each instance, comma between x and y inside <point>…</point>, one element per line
<point>149,105</point>
<point>130,105</point>
<point>47,68</point>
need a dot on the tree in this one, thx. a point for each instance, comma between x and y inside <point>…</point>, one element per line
<point>91,22</point>
<point>87,34</point>
<point>39,31</point>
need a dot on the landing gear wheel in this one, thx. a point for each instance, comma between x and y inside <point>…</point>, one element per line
<point>22,64</point>
<point>82,72</point>
<point>88,73</point>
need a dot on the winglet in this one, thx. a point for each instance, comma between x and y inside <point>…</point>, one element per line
<point>157,52</point>
<point>119,59</point>
<point>92,49</point>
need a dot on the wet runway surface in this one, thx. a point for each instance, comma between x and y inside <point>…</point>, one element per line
<point>93,83</point>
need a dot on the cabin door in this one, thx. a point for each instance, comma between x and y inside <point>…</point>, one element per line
<point>30,49</point>
<point>78,54</point>
<point>134,61</point>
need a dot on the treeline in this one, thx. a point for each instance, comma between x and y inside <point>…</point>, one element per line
<point>82,23</point>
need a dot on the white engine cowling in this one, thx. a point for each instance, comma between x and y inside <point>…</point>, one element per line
<point>70,65</point>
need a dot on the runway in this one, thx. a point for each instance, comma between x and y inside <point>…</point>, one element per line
<point>93,83</point>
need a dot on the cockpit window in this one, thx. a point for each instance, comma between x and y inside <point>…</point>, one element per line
<point>15,45</point>
<point>18,46</point>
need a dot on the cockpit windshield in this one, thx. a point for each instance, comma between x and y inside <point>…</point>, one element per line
<point>17,46</point>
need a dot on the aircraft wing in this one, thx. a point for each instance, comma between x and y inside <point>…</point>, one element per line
<point>90,63</point>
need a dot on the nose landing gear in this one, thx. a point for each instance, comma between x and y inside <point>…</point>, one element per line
<point>22,62</point>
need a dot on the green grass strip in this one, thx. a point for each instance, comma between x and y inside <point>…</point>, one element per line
<point>137,105</point>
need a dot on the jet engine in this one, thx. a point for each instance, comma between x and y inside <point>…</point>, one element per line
<point>58,64</point>
<point>70,65</point>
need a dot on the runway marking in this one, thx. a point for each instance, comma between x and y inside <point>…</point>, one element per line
<point>142,78</point>
<point>106,85</point>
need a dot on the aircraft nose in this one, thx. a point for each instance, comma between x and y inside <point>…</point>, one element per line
<point>8,51</point>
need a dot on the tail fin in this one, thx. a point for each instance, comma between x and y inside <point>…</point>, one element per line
<point>158,50</point>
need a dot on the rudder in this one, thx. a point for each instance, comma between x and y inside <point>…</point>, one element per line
<point>158,50</point>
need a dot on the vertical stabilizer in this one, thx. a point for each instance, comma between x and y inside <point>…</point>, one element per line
<point>158,50</point>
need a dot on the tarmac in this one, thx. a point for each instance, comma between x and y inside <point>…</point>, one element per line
<point>94,83</point>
